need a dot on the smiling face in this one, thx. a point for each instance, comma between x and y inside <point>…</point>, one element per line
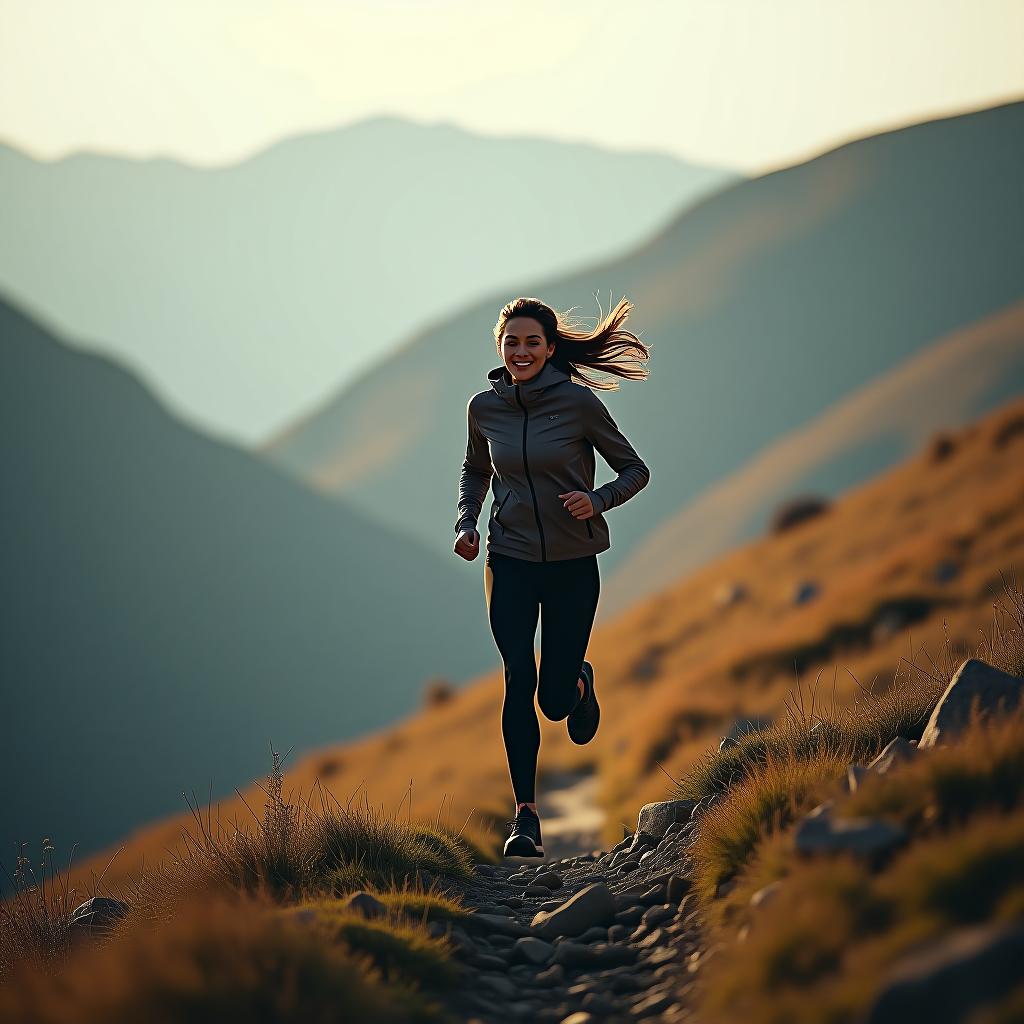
<point>523,348</point>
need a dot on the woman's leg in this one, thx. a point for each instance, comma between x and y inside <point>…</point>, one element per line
<point>513,608</point>
<point>569,596</point>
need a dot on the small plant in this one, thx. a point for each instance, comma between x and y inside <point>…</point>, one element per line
<point>36,919</point>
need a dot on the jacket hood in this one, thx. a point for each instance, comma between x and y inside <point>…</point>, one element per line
<point>502,384</point>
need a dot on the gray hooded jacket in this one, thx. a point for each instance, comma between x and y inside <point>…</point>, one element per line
<point>536,440</point>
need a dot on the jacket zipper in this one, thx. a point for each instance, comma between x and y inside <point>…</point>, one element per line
<point>529,479</point>
<point>498,513</point>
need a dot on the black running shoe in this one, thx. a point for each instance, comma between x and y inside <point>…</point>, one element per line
<point>583,718</point>
<point>524,839</point>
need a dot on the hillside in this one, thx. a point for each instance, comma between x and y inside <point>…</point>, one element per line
<point>895,561</point>
<point>764,304</point>
<point>283,275</point>
<point>172,604</point>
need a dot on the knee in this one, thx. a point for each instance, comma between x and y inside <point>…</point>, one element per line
<point>555,707</point>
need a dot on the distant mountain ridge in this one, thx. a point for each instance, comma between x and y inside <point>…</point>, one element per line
<point>246,294</point>
<point>171,605</point>
<point>763,304</point>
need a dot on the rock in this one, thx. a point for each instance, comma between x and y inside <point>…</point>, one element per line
<point>500,984</point>
<point>575,954</point>
<point>648,858</point>
<point>595,1002</point>
<point>533,950</point>
<point>616,933</point>
<point>488,962</point>
<point>974,680</point>
<point>677,888</point>
<point>766,894</point>
<point>855,775</point>
<point>495,923</point>
<point>656,938</point>
<point>628,865</point>
<point>652,1005</point>
<point>866,837</point>
<point>580,1017</point>
<point>364,904</point>
<point>536,890</point>
<point>652,896</point>
<point>728,594</point>
<point>630,917</point>
<point>550,880</point>
<point>97,916</point>
<point>595,934</point>
<point>896,752</point>
<point>658,915</point>
<point>655,818</point>
<point>805,592</point>
<point>594,904</point>
<point>551,976</point>
<point>641,841</point>
<point>950,978</point>
<point>550,905</point>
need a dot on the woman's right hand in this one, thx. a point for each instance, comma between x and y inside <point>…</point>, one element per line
<point>467,544</point>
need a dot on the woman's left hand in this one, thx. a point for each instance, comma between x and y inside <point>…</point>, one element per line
<point>578,503</point>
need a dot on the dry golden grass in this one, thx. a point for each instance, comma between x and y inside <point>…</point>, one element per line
<point>238,961</point>
<point>676,669</point>
<point>819,949</point>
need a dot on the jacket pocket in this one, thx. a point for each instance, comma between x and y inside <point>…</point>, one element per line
<point>498,512</point>
<point>590,529</point>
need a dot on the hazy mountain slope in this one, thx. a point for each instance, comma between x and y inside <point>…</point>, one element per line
<point>246,294</point>
<point>764,304</point>
<point>172,604</point>
<point>944,386</point>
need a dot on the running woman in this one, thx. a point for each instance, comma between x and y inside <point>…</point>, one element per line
<point>531,436</point>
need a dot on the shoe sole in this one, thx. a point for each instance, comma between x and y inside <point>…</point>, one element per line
<point>597,710</point>
<point>523,846</point>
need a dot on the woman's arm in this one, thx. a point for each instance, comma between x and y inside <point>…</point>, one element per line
<point>604,434</point>
<point>475,477</point>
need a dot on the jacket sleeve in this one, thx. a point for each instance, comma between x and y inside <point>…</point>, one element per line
<point>476,475</point>
<point>603,432</point>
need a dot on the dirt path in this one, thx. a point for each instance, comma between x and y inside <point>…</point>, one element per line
<point>571,819</point>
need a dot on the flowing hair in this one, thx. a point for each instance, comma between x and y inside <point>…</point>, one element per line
<point>607,347</point>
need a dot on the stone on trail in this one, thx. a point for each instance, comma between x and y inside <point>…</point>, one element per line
<point>977,681</point>
<point>550,880</point>
<point>592,905</point>
<point>677,888</point>
<point>896,752</point>
<point>533,950</point>
<point>494,923</point>
<point>655,818</point>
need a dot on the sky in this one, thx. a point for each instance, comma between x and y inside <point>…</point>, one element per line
<point>746,84</point>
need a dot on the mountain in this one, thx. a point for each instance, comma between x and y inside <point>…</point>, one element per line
<point>944,386</point>
<point>283,275</point>
<point>172,604</point>
<point>764,305</point>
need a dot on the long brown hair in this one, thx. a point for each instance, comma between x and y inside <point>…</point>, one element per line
<point>608,347</point>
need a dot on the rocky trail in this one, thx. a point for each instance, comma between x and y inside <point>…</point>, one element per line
<point>596,936</point>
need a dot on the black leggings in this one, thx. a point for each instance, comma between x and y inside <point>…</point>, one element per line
<point>565,592</point>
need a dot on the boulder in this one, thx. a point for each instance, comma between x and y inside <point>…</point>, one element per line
<point>533,950</point>
<point>364,904</point>
<point>975,680</point>
<point>97,916</point>
<point>953,976</point>
<point>655,818</point>
<point>855,775</point>
<point>896,752</point>
<point>592,905</point>
<point>865,837</point>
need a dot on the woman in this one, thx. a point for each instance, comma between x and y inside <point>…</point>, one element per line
<point>534,430</point>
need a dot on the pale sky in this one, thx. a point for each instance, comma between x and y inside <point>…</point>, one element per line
<point>750,84</point>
